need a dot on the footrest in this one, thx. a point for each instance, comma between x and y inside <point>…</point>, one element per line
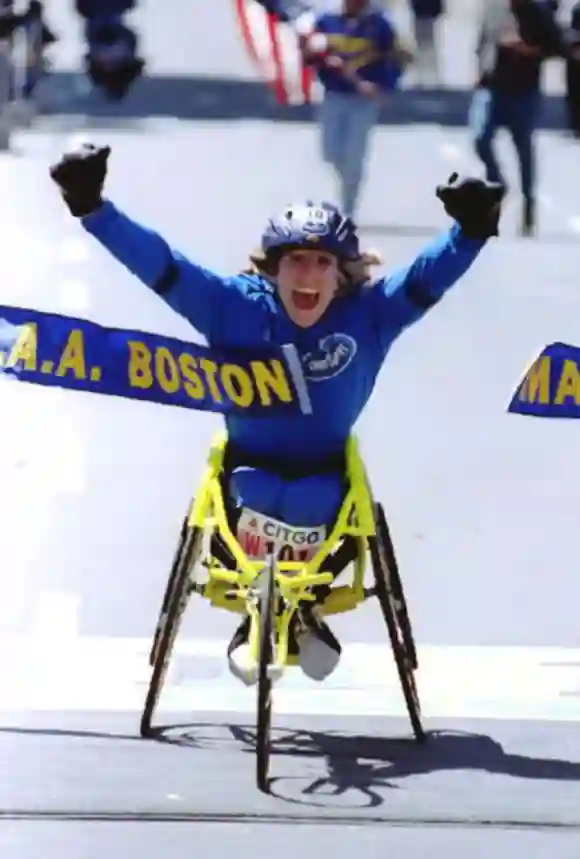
<point>341,599</point>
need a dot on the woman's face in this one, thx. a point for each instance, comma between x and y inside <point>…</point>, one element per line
<point>307,282</point>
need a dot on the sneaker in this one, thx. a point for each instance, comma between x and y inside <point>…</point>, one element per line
<point>311,639</point>
<point>319,650</point>
<point>238,654</point>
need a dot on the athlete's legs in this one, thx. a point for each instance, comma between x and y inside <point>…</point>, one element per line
<point>308,503</point>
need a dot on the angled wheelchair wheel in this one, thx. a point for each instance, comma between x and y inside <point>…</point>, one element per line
<point>396,585</point>
<point>170,622</point>
<point>169,588</point>
<point>384,593</point>
<point>264,715</point>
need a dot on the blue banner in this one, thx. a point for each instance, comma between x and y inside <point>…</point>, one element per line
<point>53,350</point>
<point>551,386</point>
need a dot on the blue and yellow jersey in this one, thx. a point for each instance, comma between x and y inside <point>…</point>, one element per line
<point>364,44</point>
<point>341,354</point>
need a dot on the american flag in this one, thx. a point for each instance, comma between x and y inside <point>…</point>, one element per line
<point>271,30</point>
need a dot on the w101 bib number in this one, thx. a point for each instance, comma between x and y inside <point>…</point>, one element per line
<point>260,535</point>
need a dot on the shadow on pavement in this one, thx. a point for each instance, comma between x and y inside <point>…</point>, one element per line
<point>220,98</point>
<point>352,764</point>
<point>371,765</point>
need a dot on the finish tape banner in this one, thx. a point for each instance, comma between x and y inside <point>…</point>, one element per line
<point>61,351</point>
<point>551,385</point>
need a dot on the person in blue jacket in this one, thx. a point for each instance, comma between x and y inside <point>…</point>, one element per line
<point>315,295</point>
<point>363,60</point>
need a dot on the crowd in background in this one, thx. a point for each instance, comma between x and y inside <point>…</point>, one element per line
<point>512,41</point>
<point>359,57</point>
<point>111,58</point>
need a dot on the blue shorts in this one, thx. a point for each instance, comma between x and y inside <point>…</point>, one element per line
<point>304,502</point>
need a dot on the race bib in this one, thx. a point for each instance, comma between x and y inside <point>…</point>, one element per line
<point>259,535</point>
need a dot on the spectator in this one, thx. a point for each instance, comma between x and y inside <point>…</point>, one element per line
<point>425,19</point>
<point>573,72</point>
<point>515,36</point>
<point>111,59</point>
<point>358,59</point>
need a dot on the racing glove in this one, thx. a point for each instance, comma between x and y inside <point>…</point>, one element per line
<point>474,203</point>
<point>80,174</point>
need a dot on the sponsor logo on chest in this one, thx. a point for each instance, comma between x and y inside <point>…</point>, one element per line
<point>333,355</point>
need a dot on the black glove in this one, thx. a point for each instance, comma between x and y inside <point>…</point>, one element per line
<point>474,203</point>
<point>80,174</point>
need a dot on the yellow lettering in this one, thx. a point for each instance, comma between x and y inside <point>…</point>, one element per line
<point>537,382</point>
<point>193,385</point>
<point>569,384</point>
<point>25,348</point>
<point>73,356</point>
<point>348,44</point>
<point>140,375</point>
<point>269,379</point>
<point>210,369</point>
<point>237,385</point>
<point>166,370</point>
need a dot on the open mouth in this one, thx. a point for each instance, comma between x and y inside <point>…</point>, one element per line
<point>305,300</point>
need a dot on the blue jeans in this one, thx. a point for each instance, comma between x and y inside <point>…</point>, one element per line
<point>346,122</point>
<point>491,110</point>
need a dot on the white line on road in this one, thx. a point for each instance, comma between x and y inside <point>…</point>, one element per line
<point>60,672</point>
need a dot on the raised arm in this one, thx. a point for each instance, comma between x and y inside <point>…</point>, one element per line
<point>405,297</point>
<point>204,298</point>
<point>409,293</point>
<point>196,293</point>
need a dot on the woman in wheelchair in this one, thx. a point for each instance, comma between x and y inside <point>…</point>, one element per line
<point>290,506</point>
<point>309,284</point>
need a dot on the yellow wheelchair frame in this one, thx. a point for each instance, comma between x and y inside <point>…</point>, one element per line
<point>271,592</point>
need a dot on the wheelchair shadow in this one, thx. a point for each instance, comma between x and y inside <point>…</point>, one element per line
<point>66,733</point>
<point>367,766</point>
<point>371,766</point>
<point>354,767</point>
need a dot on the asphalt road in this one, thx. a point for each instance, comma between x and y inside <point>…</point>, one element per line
<point>483,507</point>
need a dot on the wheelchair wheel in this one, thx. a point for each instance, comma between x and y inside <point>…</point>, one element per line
<point>264,716</point>
<point>170,623</point>
<point>396,586</point>
<point>169,589</point>
<point>386,598</point>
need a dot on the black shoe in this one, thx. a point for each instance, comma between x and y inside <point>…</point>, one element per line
<point>240,636</point>
<point>528,225</point>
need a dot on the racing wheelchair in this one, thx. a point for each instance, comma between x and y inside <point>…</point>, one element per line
<point>272,591</point>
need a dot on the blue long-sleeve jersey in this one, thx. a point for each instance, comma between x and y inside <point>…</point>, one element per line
<point>341,354</point>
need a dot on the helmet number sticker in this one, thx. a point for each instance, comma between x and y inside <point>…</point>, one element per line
<point>314,220</point>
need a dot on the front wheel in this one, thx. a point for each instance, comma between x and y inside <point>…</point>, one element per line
<point>266,654</point>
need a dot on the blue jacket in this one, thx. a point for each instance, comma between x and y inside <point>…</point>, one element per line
<point>363,45</point>
<point>342,354</point>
